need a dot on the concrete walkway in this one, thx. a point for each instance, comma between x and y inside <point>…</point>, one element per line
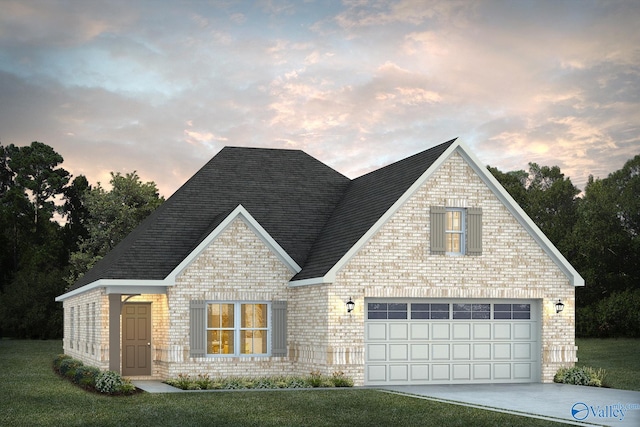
<point>566,403</point>
<point>153,386</point>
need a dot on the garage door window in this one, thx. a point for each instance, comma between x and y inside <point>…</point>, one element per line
<point>429,311</point>
<point>387,311</point>
<point>511,311</point>
<point>471,311</point>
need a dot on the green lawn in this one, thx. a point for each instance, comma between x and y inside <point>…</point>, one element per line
<point>619,357</point>
<point>32,395</point>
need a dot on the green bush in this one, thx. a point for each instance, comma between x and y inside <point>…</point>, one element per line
<point>611,317</point>
<point>109,382</point>
<point>58,360</point>
<point>340,380</point>
<point>204,382</point>
<point>86,376</point>
<point>580,375</point>
<point>68,367</point>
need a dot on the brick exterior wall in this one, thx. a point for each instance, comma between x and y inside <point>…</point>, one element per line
<point>86,333</point>
<point>394,263</point>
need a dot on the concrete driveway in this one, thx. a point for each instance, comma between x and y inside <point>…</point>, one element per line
<point>557,402</point>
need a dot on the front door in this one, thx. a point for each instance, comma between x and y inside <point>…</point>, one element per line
<point>136,339</point>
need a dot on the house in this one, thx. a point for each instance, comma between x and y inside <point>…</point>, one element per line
<point>248,268</point>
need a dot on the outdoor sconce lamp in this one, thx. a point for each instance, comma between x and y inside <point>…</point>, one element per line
<point>559,306</point>
<point>350,305</point>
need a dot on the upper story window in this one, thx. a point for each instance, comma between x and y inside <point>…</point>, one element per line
<point>455,231</point>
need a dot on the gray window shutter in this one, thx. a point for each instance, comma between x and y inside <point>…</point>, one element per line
<point>474,231</point>
<point>438,217</point>
<point>197,326</point>
<point>279,329</point>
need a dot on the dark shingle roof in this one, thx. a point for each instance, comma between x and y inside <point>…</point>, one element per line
<point>313,212</point>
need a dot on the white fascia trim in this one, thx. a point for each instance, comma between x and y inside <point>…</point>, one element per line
<point>330,277</point>
<point>486,176</point>
<point>244,215</point>
<point>116,286</point>
<point>547,246</point>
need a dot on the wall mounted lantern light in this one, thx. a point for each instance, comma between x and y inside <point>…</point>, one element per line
<point>350,305</point>
<point>559,306</point>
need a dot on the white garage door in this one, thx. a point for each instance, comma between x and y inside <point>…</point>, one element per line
<point>451,341</point>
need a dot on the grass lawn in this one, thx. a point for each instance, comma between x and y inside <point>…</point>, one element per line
<point>619,357</point>
<point>33,395</point>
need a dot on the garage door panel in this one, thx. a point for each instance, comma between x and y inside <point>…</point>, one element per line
<point>461,331</point>
<point>376,331</point>
<point>399,373</point>
<point>502,351</point>
<point>398,331</point>
<point>419,351</point>
<point>481,331</point>
<point>481,351</point>
<point>522,331</point>
<point>440,352</point>
<point>419,372</point>
<point>399,352</point>
<point>419,331</point>
<point>461,351</point>
<point>431,346</point>
<point>376,352</point>
<point>440,331</point>
<point>462,372</point>
<point>522,351</point>
<point>377,373</point>
<point>440,372</point>
<point>482,372</point>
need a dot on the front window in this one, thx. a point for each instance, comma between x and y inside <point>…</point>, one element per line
<point>237,328</point>
<point>454,232</point>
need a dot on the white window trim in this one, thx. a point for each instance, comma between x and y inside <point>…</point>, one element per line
<point>462,232</point>
<point>237,314</point>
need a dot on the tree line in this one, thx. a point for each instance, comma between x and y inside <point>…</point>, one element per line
<point>54,228</point>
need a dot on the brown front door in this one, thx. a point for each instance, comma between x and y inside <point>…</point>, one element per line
<point>136,339</point>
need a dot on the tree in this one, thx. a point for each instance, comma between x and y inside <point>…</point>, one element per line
<point>35,171</point>
<point>111,216</point>
<point>606,239</point>
<point>547,197</point>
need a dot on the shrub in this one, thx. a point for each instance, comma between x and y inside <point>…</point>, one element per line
<point>580,375</point>
<point>68,367</point>
<point>340,380</point>
<point>86,376</point>
<point>109,382</point>
<point>58,360</point>
<point>614,316</point>
<point>316,379</point>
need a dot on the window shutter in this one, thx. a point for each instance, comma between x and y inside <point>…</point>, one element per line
<point>438,218</point>
<point>197,326</point>
<point>279,329</point>
<point>474,231</point>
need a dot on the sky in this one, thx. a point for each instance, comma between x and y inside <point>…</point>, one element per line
<point>159,87</point>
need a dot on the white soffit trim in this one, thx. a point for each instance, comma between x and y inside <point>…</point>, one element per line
<point>243,214</point>
<point>119,286</point>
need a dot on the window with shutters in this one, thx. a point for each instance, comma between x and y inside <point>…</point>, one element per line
<point>456,231</point>
<point>238,328</point>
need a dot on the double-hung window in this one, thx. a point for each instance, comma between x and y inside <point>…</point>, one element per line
<point>238,328</point>
<point>455,231</point>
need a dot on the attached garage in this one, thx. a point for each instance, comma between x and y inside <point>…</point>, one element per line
<point>452,341</point>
